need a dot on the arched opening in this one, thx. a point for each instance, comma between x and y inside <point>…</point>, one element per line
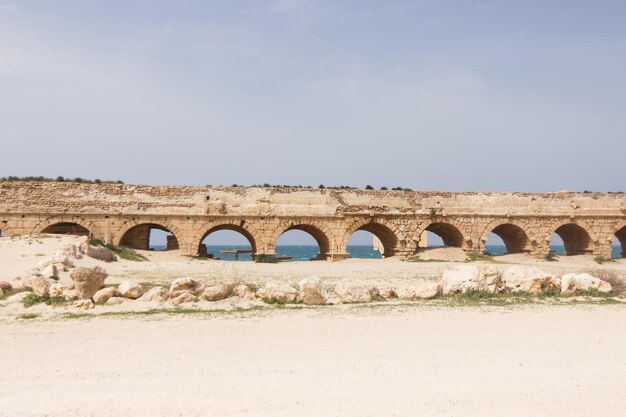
<point>618,247</point>
<point>365,245</point>
<point>67,228</point>
<point>227,243</point>
<point>149,236</point>
<point>302,243</point>
<point>506,239</point>
<point>2,233</point>
<point>570,239</point>
<point>441,234</point>
<point>383,242</point>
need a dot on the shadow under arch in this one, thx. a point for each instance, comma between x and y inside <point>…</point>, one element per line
<point>450,234</point>
<point>514,237</point>
<point>138,236</point>
<point>575,238</point>
<point>66,228</point>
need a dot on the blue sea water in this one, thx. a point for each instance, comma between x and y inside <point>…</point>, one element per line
<point>306,252</point>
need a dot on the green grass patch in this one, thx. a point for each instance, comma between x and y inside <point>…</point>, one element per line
<point>475,256</point>
<point>121,251</point>
<point>32,299</point>
<point>418,259</point>
<point>27,316</point>
<point>601,259</point>
<point>265,259</point>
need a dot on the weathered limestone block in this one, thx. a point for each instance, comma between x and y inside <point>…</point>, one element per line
<point>183,298</point>
<point>84,304</point>
<point>101,253</point>
<point>88,280</point>
<point>103,295</point>
<point>570,283</point>
<point>215,292</point>
<point>311,291</point>
<point>184,285</point>
<point>463,278</point>
<point>41,287</point>
<point>130,290</point>
<point>352,292</point>
<point>115,301</point>
<point>277,291</point>
<point>58,290</point>
<point>49,271</point>
<point>531,280</point>
<point>419,291</point>
<point>243,291</point>
<point>158,294</point>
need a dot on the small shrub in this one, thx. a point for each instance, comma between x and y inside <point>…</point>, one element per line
<point>593,293</point>
<point>273,300</point>
<point>550,257</point>
<point>618,284</point>
<point>27,316</point>
<point>475,256</point>
<point>369,187</point>
<point>126,253</point>
<point>32,299</point>
<point>55,301</point>
<point>550,292</point>
<point>602,259</point>
<point>265,259</point>
<point>54,277</point>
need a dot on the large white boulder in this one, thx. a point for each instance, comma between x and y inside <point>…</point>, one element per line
<point>130,290</point>
<point>49,271</point>
<point>570,283</point>
<point>463,278</point>
<point>532,280</point>
<point>277,291</point>
<point>71,250</point>
<point>184,285</point>
<point>352,292</point>
<point>311,291</point>
<point>87,281</point>
<point>418,291</point>
<point>60,261</point>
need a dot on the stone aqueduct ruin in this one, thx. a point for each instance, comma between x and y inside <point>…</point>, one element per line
<point>124,215</point>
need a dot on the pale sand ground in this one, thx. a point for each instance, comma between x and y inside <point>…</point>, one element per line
<point>394,360</point>
<point>531,361</point>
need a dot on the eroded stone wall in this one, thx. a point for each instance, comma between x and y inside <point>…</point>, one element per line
<point>120,214</point>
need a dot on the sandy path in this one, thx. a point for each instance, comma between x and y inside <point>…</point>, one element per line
<point>534,361</point>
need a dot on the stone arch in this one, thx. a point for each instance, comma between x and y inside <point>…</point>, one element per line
<point>136,233</point>
<point>318,230</point>
<point>620,234</point>
<point>512,234</point>
<point>65,225</point>
<point>386,231</point>
<point>450,233</point>
<point>576,237</point>
<point>241,226</point>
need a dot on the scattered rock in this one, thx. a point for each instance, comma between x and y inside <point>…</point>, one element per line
<point>84,304</point>
<point>71,250</point>
<point>570,283</point>
<point>531,280</point>
<point>374,292</point>
<point>185,297</point>
<point>215,292</point>
<point>130,290</point>
<point>278,291</point>
<point>311,291</point>
<point>115,301</point>
<point>70,295</point>
<point>5,286</point>
<point>352,292</point>
<point>88,280</point>
<point>103,295</point>
<point>58,290</point>
<point>155,294</point>
<point>41,287</point>
<point>49,271</point>
<point>463,278</point>
<point>60,261</point>
<point>183,285</point>
<point>101,253</point>
<point>242,291</point>
<point>387,293</point>
<point>419,291</point>
<point>83,244</point>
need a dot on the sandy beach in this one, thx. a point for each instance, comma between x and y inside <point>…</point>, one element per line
<point>541,361</point>
<point>245,358</point>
